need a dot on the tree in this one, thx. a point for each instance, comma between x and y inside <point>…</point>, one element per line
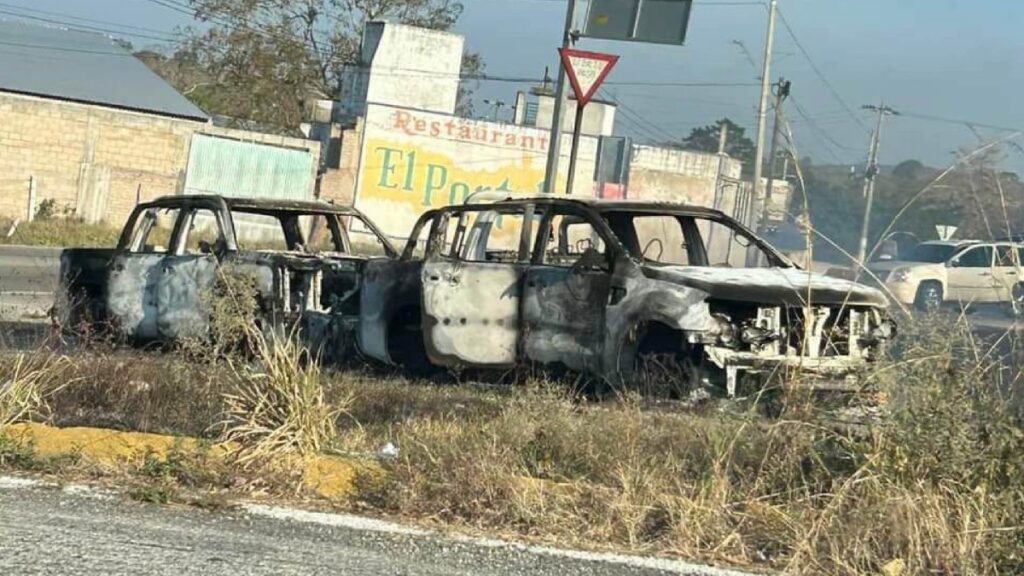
<point>705,139</point>
<point>262,59</point>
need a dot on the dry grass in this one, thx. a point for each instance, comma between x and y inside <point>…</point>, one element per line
<point>27,383</point>
<point>933,486</point>
<point>276,405</point>
<point>60,232</point>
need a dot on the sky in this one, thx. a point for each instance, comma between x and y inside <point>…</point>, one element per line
<point>951,59</point>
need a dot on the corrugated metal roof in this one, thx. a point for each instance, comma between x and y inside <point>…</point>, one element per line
<point>83,67</point>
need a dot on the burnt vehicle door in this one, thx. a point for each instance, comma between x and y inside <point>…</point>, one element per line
<point>567,289</point>
<point>155,279</point>
<point>390,327</point>
<point>472,285</point>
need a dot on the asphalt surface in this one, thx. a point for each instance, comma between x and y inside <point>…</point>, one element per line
<point>70,530</point>
<point>28,279</point>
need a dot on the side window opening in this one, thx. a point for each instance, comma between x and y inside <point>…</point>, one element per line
<point>259,232</point>
<point>571,241</point>
<point>661,240</point>
<point>203,234</point>
<point>979,257</point>
<point>1004,257</point>
<point>318,235</point>
<point>153,230</point>
<point>482,235</point>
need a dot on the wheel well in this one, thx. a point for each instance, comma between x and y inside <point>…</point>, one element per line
<point>656,337</point>
<point>936,283</point>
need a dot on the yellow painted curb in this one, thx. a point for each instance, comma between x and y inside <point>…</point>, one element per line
<point>331,477</point>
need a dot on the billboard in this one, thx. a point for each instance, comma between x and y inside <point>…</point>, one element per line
<point>412,161</point>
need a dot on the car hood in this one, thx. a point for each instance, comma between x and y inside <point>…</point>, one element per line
<point>894,264</point>
<point>782,286</point>
<point>878,268</point>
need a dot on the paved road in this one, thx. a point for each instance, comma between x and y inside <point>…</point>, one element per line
<point>28,278</point>
<point>48,530</point>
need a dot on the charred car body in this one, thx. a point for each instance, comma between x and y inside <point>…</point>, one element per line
<point>151,287</point>
<point>594,285</point>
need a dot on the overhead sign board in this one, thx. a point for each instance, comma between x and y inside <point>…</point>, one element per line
<point>652,21</point>
<point>586,71</point>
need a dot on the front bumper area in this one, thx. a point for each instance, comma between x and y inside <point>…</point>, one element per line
<point>823,345</point>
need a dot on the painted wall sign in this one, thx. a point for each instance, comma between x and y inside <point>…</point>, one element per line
<point>413,161</point>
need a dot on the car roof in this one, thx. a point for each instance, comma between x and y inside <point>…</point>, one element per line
<point>251,204</point>
<point>605,205</point>
<point>953,243</point>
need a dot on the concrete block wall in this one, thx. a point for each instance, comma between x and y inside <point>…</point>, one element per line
<point>89,159</point>
<point>678,175</point>
<point>338,185</point>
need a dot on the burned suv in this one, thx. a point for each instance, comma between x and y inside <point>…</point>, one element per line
<point>305,258</point>
<point>594,285</point>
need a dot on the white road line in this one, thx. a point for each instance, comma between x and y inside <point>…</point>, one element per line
<point>361,523</point>
<point>373,525</point>
<point>333,519</point>
<point>13,482</point>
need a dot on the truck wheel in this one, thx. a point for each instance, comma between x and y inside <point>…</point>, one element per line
<point>929,297</point>
<point>654,363</point>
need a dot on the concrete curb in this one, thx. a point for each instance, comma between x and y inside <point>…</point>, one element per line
<point>327,476</point>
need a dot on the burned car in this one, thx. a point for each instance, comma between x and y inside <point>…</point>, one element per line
<point>595,285</point>
<point>305,259</point>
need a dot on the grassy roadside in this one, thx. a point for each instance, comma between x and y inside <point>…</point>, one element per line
<point>58,233</point>
<point>49,229</point>
<point>933,487</point>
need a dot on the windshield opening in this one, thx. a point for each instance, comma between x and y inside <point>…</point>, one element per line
<point>688,240</point>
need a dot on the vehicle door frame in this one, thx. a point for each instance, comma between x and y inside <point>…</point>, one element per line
<point>1006,277</point>
<point>184,277</point>
<point>571,333</point>
<point>134,274</point>
<point>486,334</point>
<point>959,288</point>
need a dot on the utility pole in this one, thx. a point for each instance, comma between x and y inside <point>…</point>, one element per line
<point>869,178</point>
<point>781,93</point>
<point>762,108</point>
<point>555,140</point>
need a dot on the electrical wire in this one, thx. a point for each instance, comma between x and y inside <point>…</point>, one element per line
<point>86,27</point>
<point>92,20</point>
<point>820,75</point>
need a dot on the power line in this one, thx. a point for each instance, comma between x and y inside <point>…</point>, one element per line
<point>93,20</point>
<point>820,75</point>
<point>171,6</point>
<point>86,27</point>
<point>968,123</point>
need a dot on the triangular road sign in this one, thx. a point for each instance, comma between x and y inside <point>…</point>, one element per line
<point>586,71</point>
<point>945,232</point>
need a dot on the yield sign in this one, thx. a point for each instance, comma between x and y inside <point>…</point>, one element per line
<point>945,232</point>
<point>586,71</point>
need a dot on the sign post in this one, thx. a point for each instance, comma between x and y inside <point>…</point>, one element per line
<point>586,71</point>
